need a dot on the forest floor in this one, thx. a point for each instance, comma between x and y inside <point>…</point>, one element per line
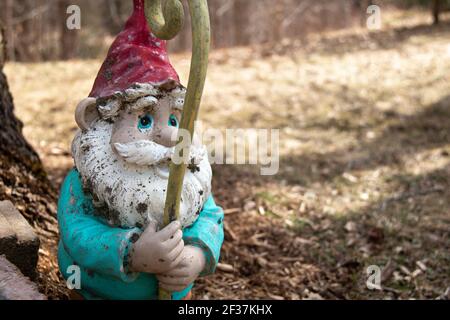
<point>364,122</point>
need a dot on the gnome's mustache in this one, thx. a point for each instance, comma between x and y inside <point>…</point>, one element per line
<point>144,152</point>
<point>149,153</point>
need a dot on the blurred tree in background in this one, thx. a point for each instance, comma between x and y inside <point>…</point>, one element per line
<point>36,29</point>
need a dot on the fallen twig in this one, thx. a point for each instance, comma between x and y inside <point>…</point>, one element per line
<point>225,267</point>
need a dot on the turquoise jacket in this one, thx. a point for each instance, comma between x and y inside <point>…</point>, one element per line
<point>100,251</point>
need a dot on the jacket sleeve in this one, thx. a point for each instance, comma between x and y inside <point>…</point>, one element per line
<point>91,243</point>
<point>207,234</point>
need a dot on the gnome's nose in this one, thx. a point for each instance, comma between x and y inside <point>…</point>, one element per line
<point>166,137</point>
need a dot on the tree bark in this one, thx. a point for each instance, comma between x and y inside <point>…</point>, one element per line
<point>23,179</point>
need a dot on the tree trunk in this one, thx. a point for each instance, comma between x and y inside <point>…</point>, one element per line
<point>23,180</point>
<point>9,36</point>
<point>112,15</point>
<point>364,16</point>
<point>436,8</point>
<point>240,24</point>
<point>68,38</point>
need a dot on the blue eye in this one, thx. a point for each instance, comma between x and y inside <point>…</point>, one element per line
<point>173,121</point>
<point>145,122</point>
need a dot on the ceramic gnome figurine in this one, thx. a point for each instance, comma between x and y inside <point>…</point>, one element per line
<point>111,207</point>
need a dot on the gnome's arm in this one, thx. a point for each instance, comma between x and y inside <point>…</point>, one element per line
<point>207,234</point>
<point>90,242</point>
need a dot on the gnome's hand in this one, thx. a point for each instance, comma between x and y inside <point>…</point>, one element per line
<point>186,272</point>
<point>158,252</point>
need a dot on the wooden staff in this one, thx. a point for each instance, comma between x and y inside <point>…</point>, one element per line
<point>166,22</point>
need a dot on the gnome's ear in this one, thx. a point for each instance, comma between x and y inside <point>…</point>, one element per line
<point>86,113</point>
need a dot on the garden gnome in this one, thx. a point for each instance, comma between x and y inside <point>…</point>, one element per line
<point>111,206</point>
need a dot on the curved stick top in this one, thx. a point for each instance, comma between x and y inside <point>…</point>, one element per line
<point>165,20</point>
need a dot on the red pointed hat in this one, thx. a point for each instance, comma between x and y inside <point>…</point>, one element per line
<point>136,56</point>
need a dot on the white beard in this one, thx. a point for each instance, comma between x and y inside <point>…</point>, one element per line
<point>131,192</point>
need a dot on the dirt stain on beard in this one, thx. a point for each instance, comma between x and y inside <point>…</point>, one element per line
<point>142,208</point>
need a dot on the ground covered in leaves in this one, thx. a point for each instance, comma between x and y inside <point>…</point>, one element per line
<point>364,122</point>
